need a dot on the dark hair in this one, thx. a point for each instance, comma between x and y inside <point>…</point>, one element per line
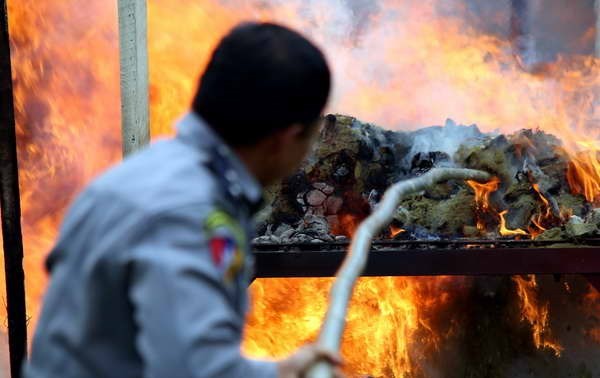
<point>261,78</point>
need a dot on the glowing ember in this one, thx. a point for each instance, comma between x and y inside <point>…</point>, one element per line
<point>346,225</point>
<point>592,308</point>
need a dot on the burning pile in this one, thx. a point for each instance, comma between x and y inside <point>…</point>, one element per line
<point>399,64</point>
<point>539,189</point>
<point>476,327</point>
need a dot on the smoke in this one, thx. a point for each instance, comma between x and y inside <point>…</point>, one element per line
<point>563,27</point>
<point>447,138</point>
<point>406,65</point>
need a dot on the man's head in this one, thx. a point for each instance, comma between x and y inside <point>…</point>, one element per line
<point>263,92</point>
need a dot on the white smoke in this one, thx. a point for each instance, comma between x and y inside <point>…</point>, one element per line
<point>447,138</point>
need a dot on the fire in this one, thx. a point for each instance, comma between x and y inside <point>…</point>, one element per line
<point>391,321</point>
<point>482,199</point>
<point>545,216</point>
<point>537,228</point>
<point>583,173</point>
<point>484,209</point>
<point>483,191</point>
<point>591,305</point>
<point>346,225</point>
<point>395,231</point>
<point>397,65</point>
<point>505,231</point>
<point>66,86</point>
<point>536,187</point>
<point>535,314</point>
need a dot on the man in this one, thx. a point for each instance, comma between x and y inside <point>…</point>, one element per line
<point>149,276</point>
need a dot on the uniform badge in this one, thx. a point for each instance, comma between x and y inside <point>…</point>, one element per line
<point>227,241</point>
<point>226,256</point>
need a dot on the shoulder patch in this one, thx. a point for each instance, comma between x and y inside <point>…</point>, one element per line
<point>227,241</point>
<point>219,220</point>
<point>227,257</point>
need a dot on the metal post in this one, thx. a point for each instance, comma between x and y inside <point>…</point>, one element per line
<point>11,209</point>
<point>133,45</point>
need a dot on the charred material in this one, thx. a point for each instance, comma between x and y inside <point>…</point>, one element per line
<point>347,172</point>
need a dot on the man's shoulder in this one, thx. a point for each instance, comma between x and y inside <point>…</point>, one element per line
<point>166,175</point>
<point>167,182</point>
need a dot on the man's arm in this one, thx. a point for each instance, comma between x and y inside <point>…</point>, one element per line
<point>188,325</point>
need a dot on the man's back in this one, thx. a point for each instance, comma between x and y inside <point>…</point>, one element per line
<point>125,242</point>
<point>150,273</point>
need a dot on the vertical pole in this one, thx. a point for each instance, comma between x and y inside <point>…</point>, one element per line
<point>133,46</point>
<point>11,209</point>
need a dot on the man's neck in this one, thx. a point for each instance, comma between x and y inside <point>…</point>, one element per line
<point>254,162</point>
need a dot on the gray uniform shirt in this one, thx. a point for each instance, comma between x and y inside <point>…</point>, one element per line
<point>150,272</point>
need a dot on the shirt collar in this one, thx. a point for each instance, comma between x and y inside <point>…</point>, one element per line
<point>191,128</point>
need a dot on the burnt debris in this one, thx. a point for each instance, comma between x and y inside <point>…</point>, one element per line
<point>355,162</point>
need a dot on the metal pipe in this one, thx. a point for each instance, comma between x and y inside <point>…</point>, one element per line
<point>11,209</point>
<point>133,47</point>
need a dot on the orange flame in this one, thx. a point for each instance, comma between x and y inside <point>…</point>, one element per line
<point>591,305</point>
<point>537,229</point>
<point>483,191</point>
<point>583,172</point>
<point>395,231</point>
<point>536,187</point>
<point>346,225</point>
<point>482,199</point>
<point>389,324</point>
<point>483,207</point>
<point>67,85</point>
<point>545,215</point>
<point>505,231</point>
<point>535,314</point>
